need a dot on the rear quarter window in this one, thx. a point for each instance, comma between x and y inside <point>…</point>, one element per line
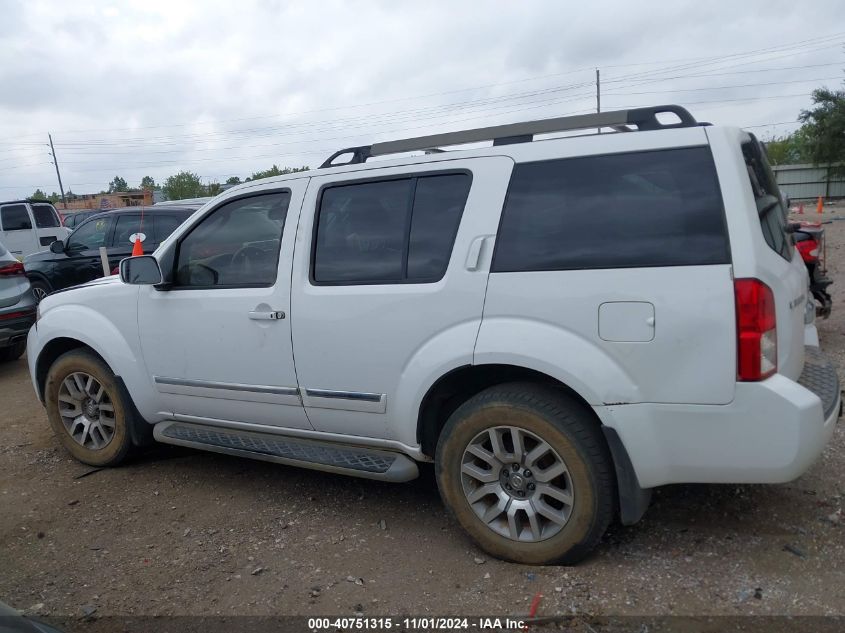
<point>639,209</point>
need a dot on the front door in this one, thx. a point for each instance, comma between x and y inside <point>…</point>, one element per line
<point>81,261</point>
<point>217,342</point>
<point>389,272</point>
<point>18,236</point>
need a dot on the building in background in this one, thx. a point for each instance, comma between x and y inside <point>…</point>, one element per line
<point>108,200</point>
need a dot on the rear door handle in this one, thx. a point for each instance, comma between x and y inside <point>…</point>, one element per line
<point>277,315</point>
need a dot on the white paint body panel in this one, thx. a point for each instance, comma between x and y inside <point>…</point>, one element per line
<point>25,242</point>
<point>550,320</point>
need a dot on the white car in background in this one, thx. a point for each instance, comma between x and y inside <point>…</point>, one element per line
<point>30,226</point>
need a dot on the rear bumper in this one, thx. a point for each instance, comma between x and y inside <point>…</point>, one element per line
<point>772,432</point>
<point>14,330</point>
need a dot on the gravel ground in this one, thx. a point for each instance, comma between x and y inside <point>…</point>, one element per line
<point>178,532</point>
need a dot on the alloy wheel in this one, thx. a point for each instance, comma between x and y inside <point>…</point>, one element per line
<point>517,484</point>
<point>86,410</point>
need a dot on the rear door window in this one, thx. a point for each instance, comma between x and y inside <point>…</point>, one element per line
<point>127,225</point>
<point>45,216</point>
<point>164,225</point>
<point>639,209</point>
<point>15,217</point>
<point>390,231</point>
<point>767,198</point>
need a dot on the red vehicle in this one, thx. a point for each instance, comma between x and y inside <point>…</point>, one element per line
<point>810,242</point>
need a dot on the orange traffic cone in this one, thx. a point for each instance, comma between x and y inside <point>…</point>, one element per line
<point>801,208</point>
<point>137,248</point>
<point>820,205</point>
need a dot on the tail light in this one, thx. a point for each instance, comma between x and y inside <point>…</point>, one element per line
<point>809,250</point>
<point>10,270</point>
<point>756,330</point>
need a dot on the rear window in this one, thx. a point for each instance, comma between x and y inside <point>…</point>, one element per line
<point>45,216</point>
<point>767,198</point>
<point>641,209</point>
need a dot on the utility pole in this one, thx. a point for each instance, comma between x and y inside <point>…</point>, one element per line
<point>598,95</point>
<point>58,175</point>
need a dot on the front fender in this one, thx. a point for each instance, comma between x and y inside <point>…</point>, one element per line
<point>111,331</point>
<point>552,350</point>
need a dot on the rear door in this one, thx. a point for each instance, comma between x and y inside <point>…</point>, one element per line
<point>48,226</point>
<point>17,232</point>
<point>388,262</point>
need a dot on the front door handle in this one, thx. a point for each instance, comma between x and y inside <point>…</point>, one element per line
<point>277,315</point>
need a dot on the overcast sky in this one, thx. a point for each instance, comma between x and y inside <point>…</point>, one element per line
<point>227,88</point>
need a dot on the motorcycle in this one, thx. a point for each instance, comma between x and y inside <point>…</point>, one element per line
<point>810,242</point>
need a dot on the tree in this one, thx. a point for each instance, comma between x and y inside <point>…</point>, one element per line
<point>54,197</point>
<point>212,189</point>
<point>183,185</point>
<point>824,128</point>
<point>148,182</point>
<point>789,149</point>
<point>275,171</point>
<point>38,195</point>
<point>117,184</point>
<point>233,180</point>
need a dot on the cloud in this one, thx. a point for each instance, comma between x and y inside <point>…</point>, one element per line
<point>152,87</point>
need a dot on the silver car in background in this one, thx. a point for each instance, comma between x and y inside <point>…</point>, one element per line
<point>17,306</point>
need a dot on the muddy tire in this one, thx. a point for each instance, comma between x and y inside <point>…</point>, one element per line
<point>88,410</point>
<point>525,470</point>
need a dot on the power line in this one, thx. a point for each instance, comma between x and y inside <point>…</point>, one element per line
<point>813,42</point>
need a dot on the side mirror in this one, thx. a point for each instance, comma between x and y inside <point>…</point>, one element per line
<point>142,270</point>
<point>57,247</point>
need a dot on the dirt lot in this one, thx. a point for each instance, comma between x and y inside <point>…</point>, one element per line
<point>182,532</point>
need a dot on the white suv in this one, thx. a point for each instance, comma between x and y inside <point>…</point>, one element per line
<point>560,325</point>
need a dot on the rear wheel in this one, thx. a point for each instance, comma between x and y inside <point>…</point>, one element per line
<point>13,352</point>
<point>87,409</point>
<point>525,470</point>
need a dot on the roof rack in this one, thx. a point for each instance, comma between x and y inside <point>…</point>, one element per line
<point>619,120</point>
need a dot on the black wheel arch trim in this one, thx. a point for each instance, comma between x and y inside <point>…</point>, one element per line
<point>633,499</point>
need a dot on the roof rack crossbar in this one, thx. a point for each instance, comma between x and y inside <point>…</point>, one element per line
<point>619,120</point>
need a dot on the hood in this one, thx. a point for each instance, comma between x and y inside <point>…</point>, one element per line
<point>102,281</point>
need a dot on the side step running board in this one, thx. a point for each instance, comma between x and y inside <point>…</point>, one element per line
<point>328,456</point>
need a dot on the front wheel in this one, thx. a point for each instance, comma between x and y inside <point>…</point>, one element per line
<point>40,290</point>
<point>87,409</point>
<point>526,472</point>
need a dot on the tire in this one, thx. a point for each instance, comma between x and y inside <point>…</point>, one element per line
<point>581,498</point>
<point>96,434</point>
<point>13,352</point>
<point>40,289</point>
